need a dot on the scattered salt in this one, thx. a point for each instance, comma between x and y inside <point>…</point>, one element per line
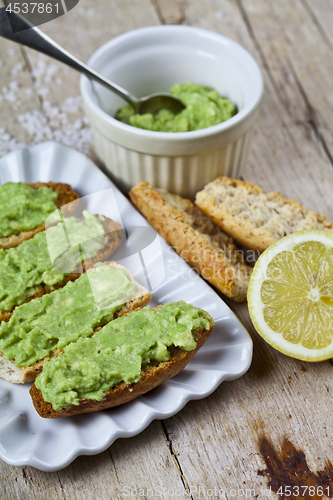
<point>7,143</point>
<point>17,68</point>
<point>65,123</point>
<point>86,12</point>
<point>35,123</point>
<point>9,93</point>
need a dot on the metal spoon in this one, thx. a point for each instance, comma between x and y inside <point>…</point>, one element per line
<point>33,37</point>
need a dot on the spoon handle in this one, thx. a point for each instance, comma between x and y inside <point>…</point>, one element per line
<point>34,38</point>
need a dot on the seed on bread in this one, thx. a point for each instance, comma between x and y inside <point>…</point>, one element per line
<point>252,217</point>
<point>195,238</point>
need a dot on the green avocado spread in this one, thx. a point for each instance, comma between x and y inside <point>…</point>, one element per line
<point>53,321</point>
<point>23,208</point>
<point>29,265</point>
<point>72,237</point>
<point>90,367</point>
<point>204,108</point>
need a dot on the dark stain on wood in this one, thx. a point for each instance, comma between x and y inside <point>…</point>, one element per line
<point>290,468</point>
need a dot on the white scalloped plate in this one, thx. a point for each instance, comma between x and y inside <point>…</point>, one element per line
<point>50,445</point>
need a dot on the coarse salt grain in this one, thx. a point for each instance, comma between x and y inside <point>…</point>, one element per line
<point>64,123</point>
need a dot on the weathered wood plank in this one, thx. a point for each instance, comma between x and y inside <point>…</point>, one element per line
<point>300,65</point>
<point>321,13</point>
<point>275,398</point>
<point>169,11</point>
<point>215,442</point>
<point>17,97</point>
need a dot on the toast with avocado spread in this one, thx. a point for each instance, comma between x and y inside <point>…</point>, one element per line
<point>49,260</point>
<point>125,359</point>
<point>25,207</point>
<point>40,329</point>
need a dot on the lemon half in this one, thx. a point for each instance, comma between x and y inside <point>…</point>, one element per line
<point>290,295</point>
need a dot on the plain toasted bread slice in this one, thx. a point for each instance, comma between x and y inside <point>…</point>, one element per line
<point>152,375</point>
<point>66,194</point>
<point>24,374</point>
<point>255,218</point>
<point>195,238</point>
<point>113,233</point>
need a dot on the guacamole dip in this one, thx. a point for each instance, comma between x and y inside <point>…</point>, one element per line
<point>55,320</point>
<point>90,367</point>
<point>23,208</point>
<point>204,108</point>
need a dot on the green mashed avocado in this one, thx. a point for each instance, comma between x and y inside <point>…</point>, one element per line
<point>55,320</point>
<point>90,367</point>
<point>23,208</point>
<point>204,108</point>
<point>29,265</point>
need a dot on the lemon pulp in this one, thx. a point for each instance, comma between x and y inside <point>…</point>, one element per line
<point>298,295</point>
<point>291,295</point>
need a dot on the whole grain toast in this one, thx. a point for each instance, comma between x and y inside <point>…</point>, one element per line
<point>66,194</point>
<point>113,234</point>
<point>152,375</point>
<point>255,218</point>
<point>24,374</point>
<point>195,238</point>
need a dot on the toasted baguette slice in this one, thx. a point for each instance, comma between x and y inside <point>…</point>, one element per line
<point>66,194</point>
<point>152,375</point>
<point>255,218</point>
<point>195,238</point>
<point>24,374</point>
<point>113,233</point>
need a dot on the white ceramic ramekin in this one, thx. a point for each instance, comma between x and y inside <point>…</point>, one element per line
<point>153,59</point>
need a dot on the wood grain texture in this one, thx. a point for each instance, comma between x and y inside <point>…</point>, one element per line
<point>169,11</point>
<point>215,442</point>
<point>321,13</point>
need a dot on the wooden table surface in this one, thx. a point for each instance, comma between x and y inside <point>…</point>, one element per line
<point>273,427</point>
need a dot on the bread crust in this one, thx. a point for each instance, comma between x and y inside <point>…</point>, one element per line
<point>203,246</point>
<point>113,233</point>
<point>66,194</point>
<point>261,218</point>
<point>151,376</point>
<point>25,374</point>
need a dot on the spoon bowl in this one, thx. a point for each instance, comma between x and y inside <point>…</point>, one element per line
<point>155,102</point>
